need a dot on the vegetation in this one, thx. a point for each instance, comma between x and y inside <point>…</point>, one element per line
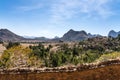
<point>41,55</point>
<point>12,44</point>
<point>15,56</point>
<point>105,57</point>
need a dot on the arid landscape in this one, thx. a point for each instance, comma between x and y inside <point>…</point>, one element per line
<point>94,58</point>
<point>111,72</point>
<point>59,39</point>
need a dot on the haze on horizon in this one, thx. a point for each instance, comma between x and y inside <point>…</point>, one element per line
<point>52,18</point>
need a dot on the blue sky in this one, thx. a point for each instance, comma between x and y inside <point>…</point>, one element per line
<point>52,18</point>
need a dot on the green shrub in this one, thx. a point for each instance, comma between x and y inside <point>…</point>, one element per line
<point>12,44</point>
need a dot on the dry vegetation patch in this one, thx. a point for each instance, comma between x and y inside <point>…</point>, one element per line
<point>2,48</point>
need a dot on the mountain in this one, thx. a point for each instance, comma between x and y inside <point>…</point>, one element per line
<point>6,35</point>
<point>41,38</point>
<point>113,34</point>
<point>29,37</point>
<point>72,35</point>
<point>93,35</point>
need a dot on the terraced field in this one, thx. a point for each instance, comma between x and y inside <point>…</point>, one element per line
<point>105,73</point>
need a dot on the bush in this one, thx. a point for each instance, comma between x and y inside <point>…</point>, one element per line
<point>4,58</point>
<point>56,60</point>
<point>12,44</point>
<point>14,55</point>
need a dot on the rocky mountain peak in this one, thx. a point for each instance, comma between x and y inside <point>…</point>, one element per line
<point>113,34</point>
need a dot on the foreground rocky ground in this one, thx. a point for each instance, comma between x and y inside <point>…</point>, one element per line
<point>109,70</point>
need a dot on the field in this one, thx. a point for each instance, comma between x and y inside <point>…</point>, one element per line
<point>106,73</point>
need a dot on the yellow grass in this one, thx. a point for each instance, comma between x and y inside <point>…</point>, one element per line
<point>110,56</point>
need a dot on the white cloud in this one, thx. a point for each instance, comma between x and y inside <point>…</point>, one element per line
<point>67,9</point>
<point>62,10</point>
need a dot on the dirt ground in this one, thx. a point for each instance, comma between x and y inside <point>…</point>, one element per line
<point>2,48</point>
<point>106,73</point>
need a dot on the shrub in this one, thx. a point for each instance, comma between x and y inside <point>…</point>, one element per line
<point>108,56</point>
<point>12,44</point>
<point>14,55</point>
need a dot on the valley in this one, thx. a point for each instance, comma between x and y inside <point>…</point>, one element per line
<point>69,57</point>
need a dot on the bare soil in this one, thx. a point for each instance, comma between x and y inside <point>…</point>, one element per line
<point>2,48</point>
<point>111,72</point>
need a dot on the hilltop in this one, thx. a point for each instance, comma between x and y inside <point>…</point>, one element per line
<point>113,33</point>
<point>72,35</point>
<point>7,35</point>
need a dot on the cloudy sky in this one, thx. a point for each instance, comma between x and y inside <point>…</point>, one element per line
<point>51,18</point>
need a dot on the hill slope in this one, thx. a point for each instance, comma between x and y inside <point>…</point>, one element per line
<point>113,34</point>
<point>6,35</point>
<point>72,35</point>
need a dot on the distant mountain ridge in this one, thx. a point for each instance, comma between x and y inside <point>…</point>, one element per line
<point>113,34</point>
<point>6,35</point>
<point>72,35</point>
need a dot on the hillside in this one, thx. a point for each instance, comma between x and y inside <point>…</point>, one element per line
<point>113,34</point>
<point>72,35</point>
<point>60,54</point>
<point>6,35</point>
<point>70,59</point>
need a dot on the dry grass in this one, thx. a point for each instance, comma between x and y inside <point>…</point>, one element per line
<point>110,56</point>
<point>2,48</point>
<point>28,44</point>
